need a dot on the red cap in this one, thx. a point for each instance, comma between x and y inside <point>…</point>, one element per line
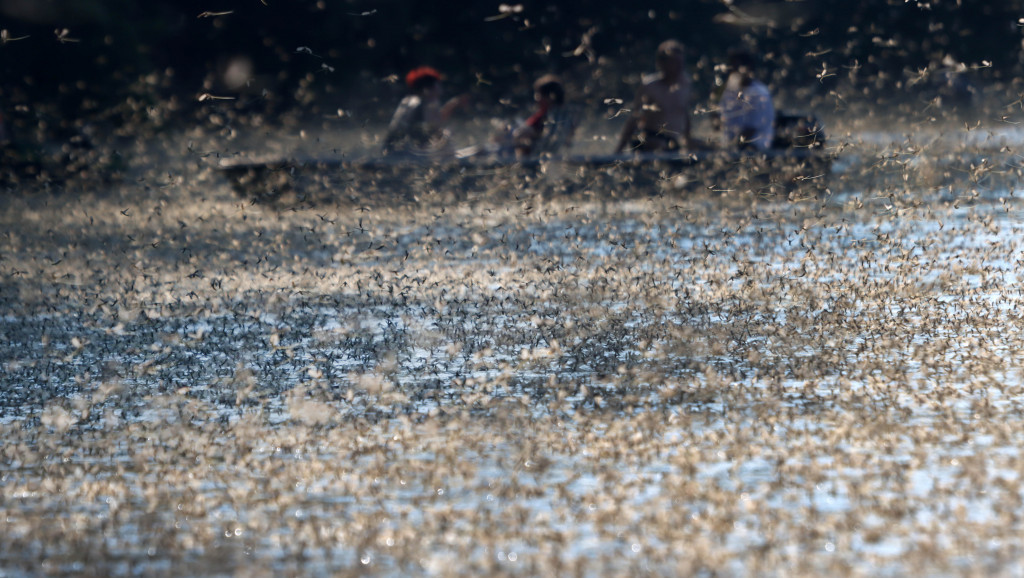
<point>422,72</point>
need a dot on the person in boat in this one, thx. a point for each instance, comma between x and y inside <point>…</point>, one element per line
<point>418,125</point>
<point>746,112</point>
<point>551,127</point>
<point>660,119</point>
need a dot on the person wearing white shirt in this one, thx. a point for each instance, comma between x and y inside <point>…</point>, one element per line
<point>747,112</point>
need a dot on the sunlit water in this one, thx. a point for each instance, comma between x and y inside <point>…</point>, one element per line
<point>513,384</point>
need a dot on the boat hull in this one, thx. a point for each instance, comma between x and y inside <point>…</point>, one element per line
<point>793,172</point>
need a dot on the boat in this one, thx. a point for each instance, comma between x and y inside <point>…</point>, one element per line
<point>797,164</point>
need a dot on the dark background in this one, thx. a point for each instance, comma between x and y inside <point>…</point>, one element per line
<point>131,61</point>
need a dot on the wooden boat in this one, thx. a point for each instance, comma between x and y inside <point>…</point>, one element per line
<point>795,164</point>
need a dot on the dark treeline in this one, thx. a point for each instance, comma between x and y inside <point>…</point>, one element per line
<point>83,56</point>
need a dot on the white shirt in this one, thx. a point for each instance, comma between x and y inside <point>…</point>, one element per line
<point>748,109</point>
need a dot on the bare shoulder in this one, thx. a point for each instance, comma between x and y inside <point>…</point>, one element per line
<point>411,101</point>
<point>650,87</point>
<point>649,80</point>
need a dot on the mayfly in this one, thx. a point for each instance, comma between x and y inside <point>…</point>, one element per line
<point>5,37</point>
<point>62,35</point>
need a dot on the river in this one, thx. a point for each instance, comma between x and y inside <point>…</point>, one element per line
<point>511,383</point>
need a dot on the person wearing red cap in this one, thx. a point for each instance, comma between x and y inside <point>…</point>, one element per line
<point>418,125</point>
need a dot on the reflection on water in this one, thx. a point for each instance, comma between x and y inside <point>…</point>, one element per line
<point>669,385</point>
